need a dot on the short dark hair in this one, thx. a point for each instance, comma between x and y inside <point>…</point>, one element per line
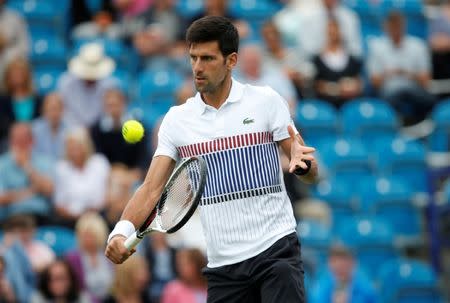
<point>214,28</point>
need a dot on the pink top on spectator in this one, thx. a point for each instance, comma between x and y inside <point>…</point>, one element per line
<point>178,292</point>
<point>137,7</point>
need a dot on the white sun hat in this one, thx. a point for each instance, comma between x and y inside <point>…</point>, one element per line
<point>91,63</point>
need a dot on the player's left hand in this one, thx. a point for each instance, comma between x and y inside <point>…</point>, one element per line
<point>299,152</point>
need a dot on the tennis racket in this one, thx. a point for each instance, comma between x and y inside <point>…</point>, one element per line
<point>178,201</point>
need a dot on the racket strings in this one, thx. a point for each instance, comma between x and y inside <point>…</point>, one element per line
<point>180,195</point>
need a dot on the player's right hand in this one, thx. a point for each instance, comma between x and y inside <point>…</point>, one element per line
<point>116,250</point>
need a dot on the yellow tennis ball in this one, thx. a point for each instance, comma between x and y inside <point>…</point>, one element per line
<point>132,131</point>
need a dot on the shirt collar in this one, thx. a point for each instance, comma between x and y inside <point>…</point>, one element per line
<point>236,92</point>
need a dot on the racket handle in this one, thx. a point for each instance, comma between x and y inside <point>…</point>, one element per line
<point>132,241</point>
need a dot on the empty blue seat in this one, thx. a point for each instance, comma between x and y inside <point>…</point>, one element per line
<point>46,80</point>
<point>405,159</point>
<point>317,120</point>
<point>439,140</point>
<point>189,8</point>
<point>158,85</point>
<point>254,9</point>
<point>408,281</point>
<point>391,199</point>
<point>368,119</point>
<point>346,157</point>
<point>48,52</point>
<point>371,238</point>
<point>339,195</point>
<point>60,239</point>
<point>315,238</point>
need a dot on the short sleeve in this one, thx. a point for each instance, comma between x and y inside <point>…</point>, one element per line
<point>279,116</point>
<point>166,146</point>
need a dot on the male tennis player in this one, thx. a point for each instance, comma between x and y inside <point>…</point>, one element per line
<point>253,250</point>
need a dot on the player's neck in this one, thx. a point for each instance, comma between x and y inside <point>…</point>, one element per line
<point>218,97</point>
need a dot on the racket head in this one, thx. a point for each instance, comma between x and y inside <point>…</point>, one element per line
<point>181,195</point>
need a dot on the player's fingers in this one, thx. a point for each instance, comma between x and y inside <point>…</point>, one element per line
<point>308,157</point>
<point>291,132</point>
<point>307,149</point>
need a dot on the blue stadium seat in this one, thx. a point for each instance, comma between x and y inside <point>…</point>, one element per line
<point>346,157</point>
<point>317,120</point>
<point>315,238</point>
<point>158,85</point>
<point>390,198</point>
<point>189,8</point>
<point>48,52</point>
<point>439,140</point>
<point>339,195</point>
<point>254,9</point>
<point>408,281</point>
<point>371,238</point>
<point>60,239</point>
<point>368,119</point>
<point>404,159</point>
<point>46,80</point>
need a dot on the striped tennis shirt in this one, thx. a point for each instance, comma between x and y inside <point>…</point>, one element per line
<point>245,207</point>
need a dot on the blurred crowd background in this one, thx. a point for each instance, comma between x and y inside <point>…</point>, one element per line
<point>367,82</point>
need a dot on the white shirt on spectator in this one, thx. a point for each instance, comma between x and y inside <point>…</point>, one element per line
<point>78,190</point>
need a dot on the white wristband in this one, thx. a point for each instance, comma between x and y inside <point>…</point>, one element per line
<point>124,228</point>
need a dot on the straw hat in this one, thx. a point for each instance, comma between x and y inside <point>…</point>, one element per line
<point>91,63</point>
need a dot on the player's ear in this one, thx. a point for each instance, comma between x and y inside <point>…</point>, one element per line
<point>231,60</point>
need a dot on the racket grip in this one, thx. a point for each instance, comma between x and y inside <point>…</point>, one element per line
<point>132,241</point>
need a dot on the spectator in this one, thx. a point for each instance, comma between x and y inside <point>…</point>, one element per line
<point>101,26</point>
<point>440,42</point>
<point>58,283</point>
<point>253,70</point>
<point>49,130</point>
<point>25,179</point>
<point>131,280</point>
<point>161,259</point>
<point>7,294</point>
<point>108,139</point>
<point>13,38</point>
<point>81,178</point>
<point>120,186</point>
<point>128,12</point>
<point>312,28</point>
<point>20,103</point>
<point>220,8</point>
<point>23,228</point>
<point>343,282</point>
<point>93,270</point>
<point>297,69</point>
<point>84,85</point>
<point>190,287</point>
<point>338,76</point>
<point>399,68</point>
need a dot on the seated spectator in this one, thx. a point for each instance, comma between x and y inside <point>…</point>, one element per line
<point>220,8</point>
<point>14,40</point>
<point>190,287</point>
<point>25,179</point>
<point>312,28</point>
<point>23,228</point>
<point>20,103</point>
<point>49,130</point>
<point>297,69</point>
<point>120,189</point>
<point>439,38</point>
<point>128,12</point>
<point>85,84</point>
<point>253,70</point>
<point>58,283</point>
<point>131,280</point>
<point>7,294</point>
<point>338,77</point>
<point>342,282</point>
<point>93,270</point>
<point>399,68</point>
<point>108,139</point>
<point>161,259</point>
<point>81,178</point>
<point>100,27</point>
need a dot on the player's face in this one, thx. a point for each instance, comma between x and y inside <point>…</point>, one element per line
<point>209,67</point>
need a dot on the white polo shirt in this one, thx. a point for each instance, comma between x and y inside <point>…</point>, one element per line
<point>245,208</point>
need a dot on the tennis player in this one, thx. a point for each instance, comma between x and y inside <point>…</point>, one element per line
<point>253,250</point>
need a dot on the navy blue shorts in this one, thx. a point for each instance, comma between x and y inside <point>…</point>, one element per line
<point>273,276</point>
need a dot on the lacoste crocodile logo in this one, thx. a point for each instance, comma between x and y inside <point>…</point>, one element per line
<point>248,121</point>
